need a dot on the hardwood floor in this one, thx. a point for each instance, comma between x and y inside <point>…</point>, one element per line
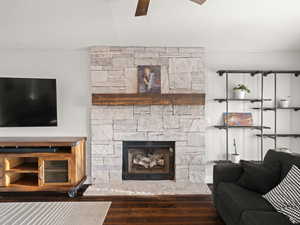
<point>167,210</point>
<point>161,210</point>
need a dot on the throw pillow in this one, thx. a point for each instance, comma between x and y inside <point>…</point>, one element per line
<point>260,178</point>
<point>285,198</point>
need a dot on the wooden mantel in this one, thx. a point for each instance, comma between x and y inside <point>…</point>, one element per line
<point>148,99</point>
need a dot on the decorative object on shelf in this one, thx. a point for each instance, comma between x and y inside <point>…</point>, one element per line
<point>284,102</point>
<point>240,91</point>
<point>238,119</point>
<point>149,79</point>
<point>235,157</point>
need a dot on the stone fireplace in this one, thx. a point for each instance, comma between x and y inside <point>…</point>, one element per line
<point>178,129</point>
<point>148,160</point>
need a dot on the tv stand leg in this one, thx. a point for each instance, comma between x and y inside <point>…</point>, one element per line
<point>72,193</point>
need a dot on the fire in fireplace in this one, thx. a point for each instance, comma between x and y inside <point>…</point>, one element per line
<point>148,160</point>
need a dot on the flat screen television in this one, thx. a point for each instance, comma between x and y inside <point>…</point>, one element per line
<point>27,102</point>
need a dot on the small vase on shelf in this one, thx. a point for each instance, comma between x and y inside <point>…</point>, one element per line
<point>284,103</point>
<point>239,94</point>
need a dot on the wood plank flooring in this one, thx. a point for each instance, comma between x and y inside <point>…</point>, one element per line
<point>166,210</point>
<point>144,210</point>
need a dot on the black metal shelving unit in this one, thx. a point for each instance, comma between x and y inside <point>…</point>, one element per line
<point>243,127</point>
<point>262,108</point>
<point>280,135</point>
<point>272,108</point>
<point>252,100</point>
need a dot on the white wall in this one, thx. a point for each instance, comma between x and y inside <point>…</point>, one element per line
<point>248,143</point>
<point>70,70</point>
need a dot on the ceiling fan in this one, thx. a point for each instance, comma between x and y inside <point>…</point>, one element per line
<point>143,5</point>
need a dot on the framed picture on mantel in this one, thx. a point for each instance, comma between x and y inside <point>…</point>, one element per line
<point>149,79</point>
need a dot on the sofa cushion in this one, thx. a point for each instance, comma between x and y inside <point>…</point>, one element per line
<point>263,218</point>
<point>286,160</point>
<point>286,196</point>
<point>260,178</point>
<point>237,199</point>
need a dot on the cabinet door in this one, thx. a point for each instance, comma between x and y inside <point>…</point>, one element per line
<point>54,171</point>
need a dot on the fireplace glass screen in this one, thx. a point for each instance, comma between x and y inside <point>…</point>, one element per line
<point>148,160</point>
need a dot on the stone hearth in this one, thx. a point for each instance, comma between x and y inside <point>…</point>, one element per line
<point>114,70</point>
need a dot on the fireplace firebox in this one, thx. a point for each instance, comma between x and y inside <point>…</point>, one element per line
<point>148,160</point>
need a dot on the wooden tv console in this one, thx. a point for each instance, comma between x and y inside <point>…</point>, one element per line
<point>42,164</point>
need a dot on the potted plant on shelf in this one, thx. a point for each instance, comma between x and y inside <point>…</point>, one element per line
<point>235,157</point>
<point>240,91</point>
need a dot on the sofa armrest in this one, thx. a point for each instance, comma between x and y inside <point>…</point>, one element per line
<point>226,172</point>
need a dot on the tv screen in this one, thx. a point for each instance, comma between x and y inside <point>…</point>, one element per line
<point>26,102</point>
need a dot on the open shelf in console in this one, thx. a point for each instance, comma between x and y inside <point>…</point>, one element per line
<point>22,180</point>
<point>25,180</point>
<point>21,165</point>
<point>24,168</point>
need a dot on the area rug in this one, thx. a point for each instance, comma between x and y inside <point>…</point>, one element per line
<point>53,213</point>
<point>148,188</point>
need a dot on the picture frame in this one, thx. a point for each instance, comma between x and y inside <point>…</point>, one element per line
<point>238,119</point>
<point>149,79</point>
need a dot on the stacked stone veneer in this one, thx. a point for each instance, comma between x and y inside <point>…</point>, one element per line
<point>114,70</point>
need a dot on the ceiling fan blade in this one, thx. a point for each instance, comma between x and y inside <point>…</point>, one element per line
<point>200,2</point>
<point>142,7</point>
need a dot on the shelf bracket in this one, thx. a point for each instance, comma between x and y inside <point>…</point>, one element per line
<point>266,73</point>
<point>221,73</point>
<point>254,73</point>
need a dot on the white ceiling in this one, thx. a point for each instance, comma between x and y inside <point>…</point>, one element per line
<point>246,25</point>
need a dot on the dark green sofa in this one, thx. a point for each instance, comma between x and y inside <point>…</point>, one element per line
<point>239,206</point>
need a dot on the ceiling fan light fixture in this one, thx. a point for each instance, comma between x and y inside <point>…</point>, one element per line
<point>142,8</point>
<point>200,2</point>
